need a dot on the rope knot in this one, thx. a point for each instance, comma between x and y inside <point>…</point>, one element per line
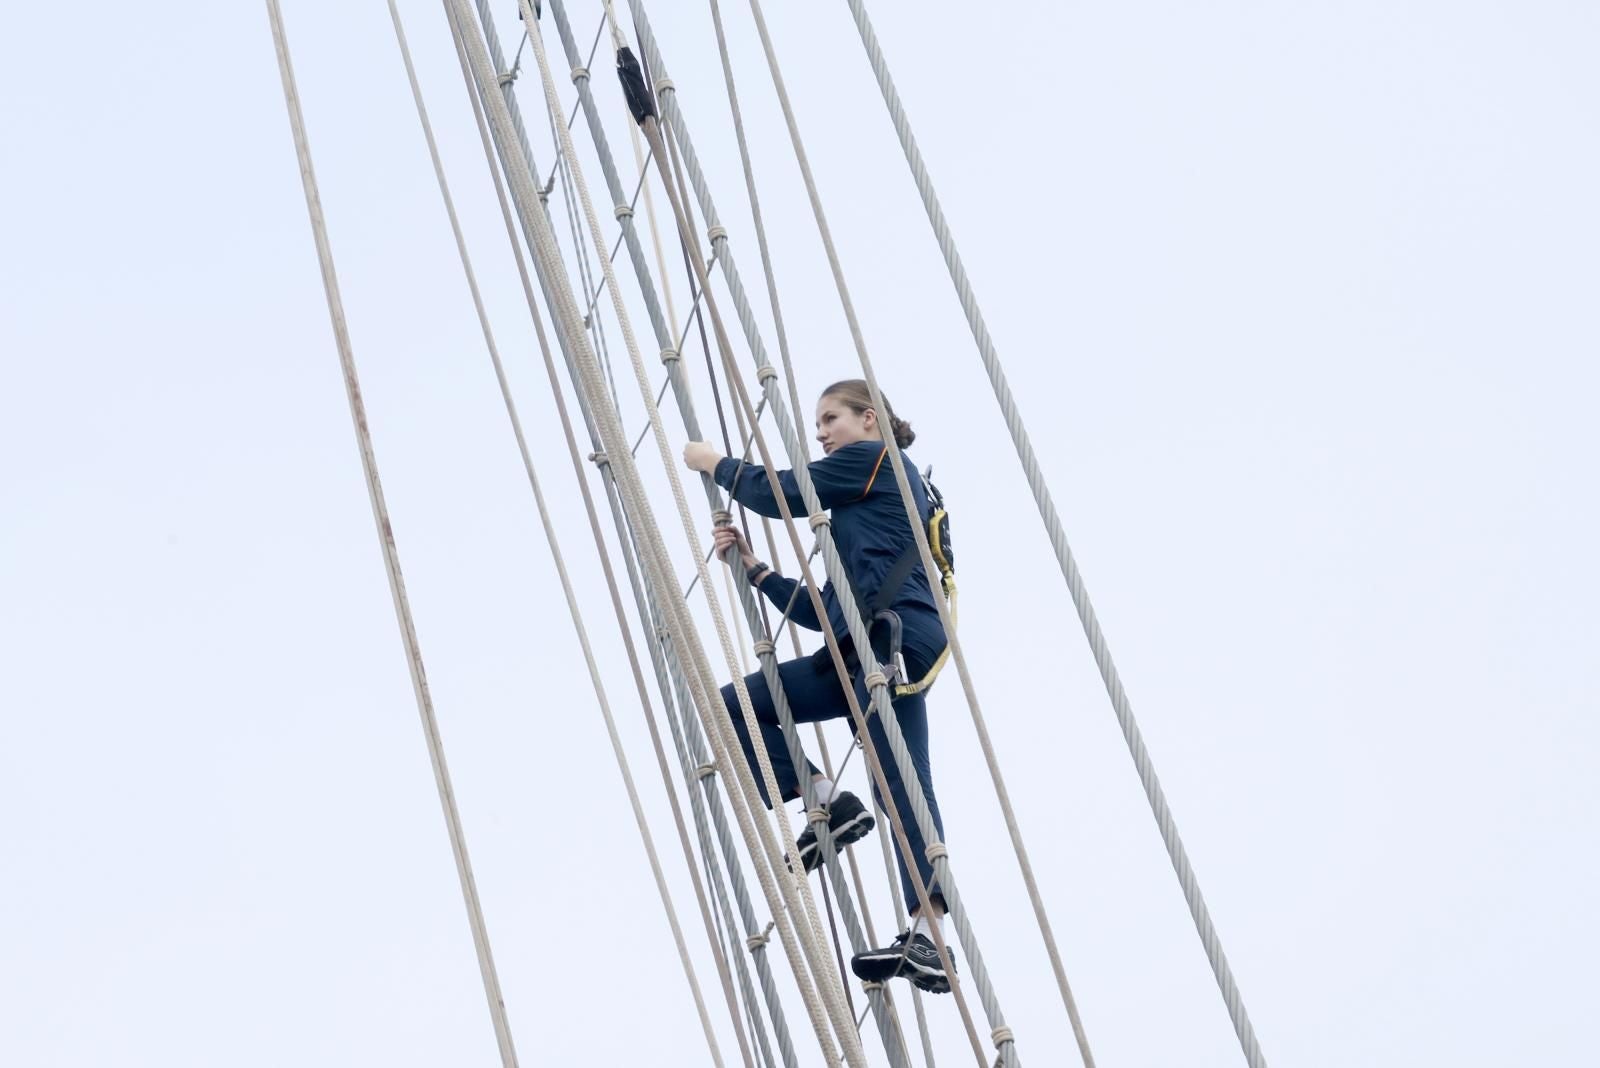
<point>665,85</point>
<point>599,459</point>
<point>508,77</point>
<point>765,373</point>
<point>870,985</point>
<point>764,647</point>
<point>623,211</point>
<point>668,355</point>
<point>705,771</point>
<point>717,233</point>
<point>755,942</point>
<point>579,72</point>
<point>722,518</point>
<point>937,851</point>
<point>1001,1036</point>
<point>821,520</point>
<point>817,815</point>
<point>875,679</point>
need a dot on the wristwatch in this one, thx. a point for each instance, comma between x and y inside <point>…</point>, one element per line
<point>752,572</point>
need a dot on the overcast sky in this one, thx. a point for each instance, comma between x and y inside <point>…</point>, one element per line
<point>1299,303</point>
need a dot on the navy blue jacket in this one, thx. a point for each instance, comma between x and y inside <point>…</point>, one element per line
<point>856,484</point>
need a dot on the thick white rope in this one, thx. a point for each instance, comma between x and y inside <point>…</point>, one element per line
<point>670,676</point>
<point>391,555</point>
<point>1179,856</point>
<point>654,554</point>
<point>576,613</point>
<point>520,175</point>
<point>594,323</point>
<point>653,414</point>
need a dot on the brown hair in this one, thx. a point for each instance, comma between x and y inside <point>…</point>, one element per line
<point>854,394</point>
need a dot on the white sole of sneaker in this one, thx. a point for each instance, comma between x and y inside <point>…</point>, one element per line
<point>931,980</point>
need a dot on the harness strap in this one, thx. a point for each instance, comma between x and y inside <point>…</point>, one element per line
<point>904,564</point>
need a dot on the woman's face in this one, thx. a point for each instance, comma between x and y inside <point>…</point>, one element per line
<point>839,425</point>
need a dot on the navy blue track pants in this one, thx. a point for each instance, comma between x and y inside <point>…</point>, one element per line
<point>816,695</point>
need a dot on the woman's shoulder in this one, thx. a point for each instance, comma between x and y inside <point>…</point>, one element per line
<point>867,448</point>
<point>861,457</point>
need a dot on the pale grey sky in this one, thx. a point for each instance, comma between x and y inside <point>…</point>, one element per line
<point>1299,303</point>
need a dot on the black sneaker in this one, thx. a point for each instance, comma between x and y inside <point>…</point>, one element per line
<point>848,819</point>
<point>912,956</point>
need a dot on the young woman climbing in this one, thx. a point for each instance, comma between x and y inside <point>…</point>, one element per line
<point>855,483</point>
